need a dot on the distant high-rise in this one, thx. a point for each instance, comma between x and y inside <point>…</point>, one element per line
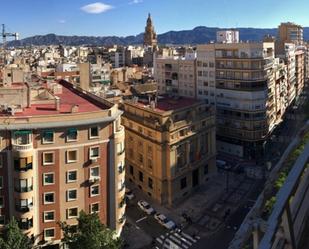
<point>150,36</point>
<point>291,33</point>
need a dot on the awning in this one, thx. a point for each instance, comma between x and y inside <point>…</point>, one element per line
<point>22,132</point>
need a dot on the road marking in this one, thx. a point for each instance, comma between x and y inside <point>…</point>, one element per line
<point>143,218</point>
<point>188,237</point>
<point>159,240</point>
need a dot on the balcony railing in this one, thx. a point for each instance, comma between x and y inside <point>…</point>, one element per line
<point>23,189</point>
<point>121,169</point>
<point>25,225</point>
<point>122,219</point>
<point>28,167</point>
<point>23,209</point>
<point>22,147</point>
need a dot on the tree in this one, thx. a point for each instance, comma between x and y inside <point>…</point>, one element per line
<point>13,238</point>
<point>89,233</point>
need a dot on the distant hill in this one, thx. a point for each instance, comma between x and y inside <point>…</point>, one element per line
<point>197,35</point>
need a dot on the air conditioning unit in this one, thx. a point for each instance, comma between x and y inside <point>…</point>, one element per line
<point>94,160</point>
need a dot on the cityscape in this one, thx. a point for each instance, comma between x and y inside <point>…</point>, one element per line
<point>188,139</point>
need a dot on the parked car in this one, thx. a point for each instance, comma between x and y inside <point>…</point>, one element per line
<point>129,194</point>
<point>143,205</point>
<point>164,221</point>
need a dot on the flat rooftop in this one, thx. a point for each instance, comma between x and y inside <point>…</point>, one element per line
<point>68,98</point>
<point>166,103</point>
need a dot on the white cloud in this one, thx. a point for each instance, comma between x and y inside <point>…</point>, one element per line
<point>96,8</point>
<point>62,21</point>
<point>136,1</point>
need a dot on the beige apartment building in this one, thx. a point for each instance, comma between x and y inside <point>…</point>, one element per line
<point>61,151</point>
<point>176,75</point>
<point>238,79</point>
<point>170,146</point>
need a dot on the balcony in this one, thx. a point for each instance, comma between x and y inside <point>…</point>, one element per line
<point>122,219</point>
<point>121,152</point>
<point>121,169</point>
<point>23,189</point>
<point>25,224</point>
<point>23,169</point>
<point>122,187</point>
<point>23,209</point>
<point>22,147</point>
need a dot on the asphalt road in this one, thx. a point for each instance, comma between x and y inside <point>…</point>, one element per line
<point>145,222</point>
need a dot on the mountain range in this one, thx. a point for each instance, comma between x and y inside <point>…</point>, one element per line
<point>198,35</point>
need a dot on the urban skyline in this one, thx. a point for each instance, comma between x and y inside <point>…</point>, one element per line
<point>156,145</point>
<point>82,17</point>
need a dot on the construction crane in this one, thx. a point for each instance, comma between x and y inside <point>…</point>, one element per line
<point>4,36</point>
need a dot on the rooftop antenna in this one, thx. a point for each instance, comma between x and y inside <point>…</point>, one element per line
<point>4,35</point>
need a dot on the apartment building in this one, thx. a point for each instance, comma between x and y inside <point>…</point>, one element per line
<point>176,75</point>
<point>289,58</point>
<point>170,146</point>
<point>61,151</point>
<point>290,33</point>
<point>238,79</point>
<point>299,70</point>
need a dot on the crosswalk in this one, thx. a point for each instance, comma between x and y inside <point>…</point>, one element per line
<point>176,240</point>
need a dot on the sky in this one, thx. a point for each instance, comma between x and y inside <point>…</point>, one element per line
<point>128,17</point>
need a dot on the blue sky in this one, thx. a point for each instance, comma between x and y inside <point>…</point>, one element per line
<point>128,17</point>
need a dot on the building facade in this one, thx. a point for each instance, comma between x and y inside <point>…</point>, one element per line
<point>170,146</point>
<point>61,151</point>
<point>238,79</point>
<point>176,75</point>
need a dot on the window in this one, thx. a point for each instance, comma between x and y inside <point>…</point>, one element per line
<point>49,198</point>
<point>150,163</point>
<point>48,137</point>
<point>1,202</point>
<point>140,176</point>
<point>140,158</point>
<point>71,194</point>
<point>48,158</point>
<point>94,132</point>
<point>95,171</point>
<point>72,176</point>
<point>23,185</point>
<point>1,182</point>
<point>22,137</point>
<point>49,233</point>
<point>72,212</point>
<point>49,216</point>
<point>94,207</point>
<point>71,156</point>
<point>150,183</point>
<point>48,178</point>
<point>206,169</point>
<point>94,190</point>
<point>94,152</point>
<point>23,163</point>
<point>131,170</point>
<point>71,134</point>
<point>183,183</point>
<point>2,219</point>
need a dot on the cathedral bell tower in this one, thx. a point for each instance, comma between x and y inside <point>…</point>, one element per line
<point>150,36</point>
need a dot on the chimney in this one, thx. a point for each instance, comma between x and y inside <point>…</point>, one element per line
<point>57,103</point>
